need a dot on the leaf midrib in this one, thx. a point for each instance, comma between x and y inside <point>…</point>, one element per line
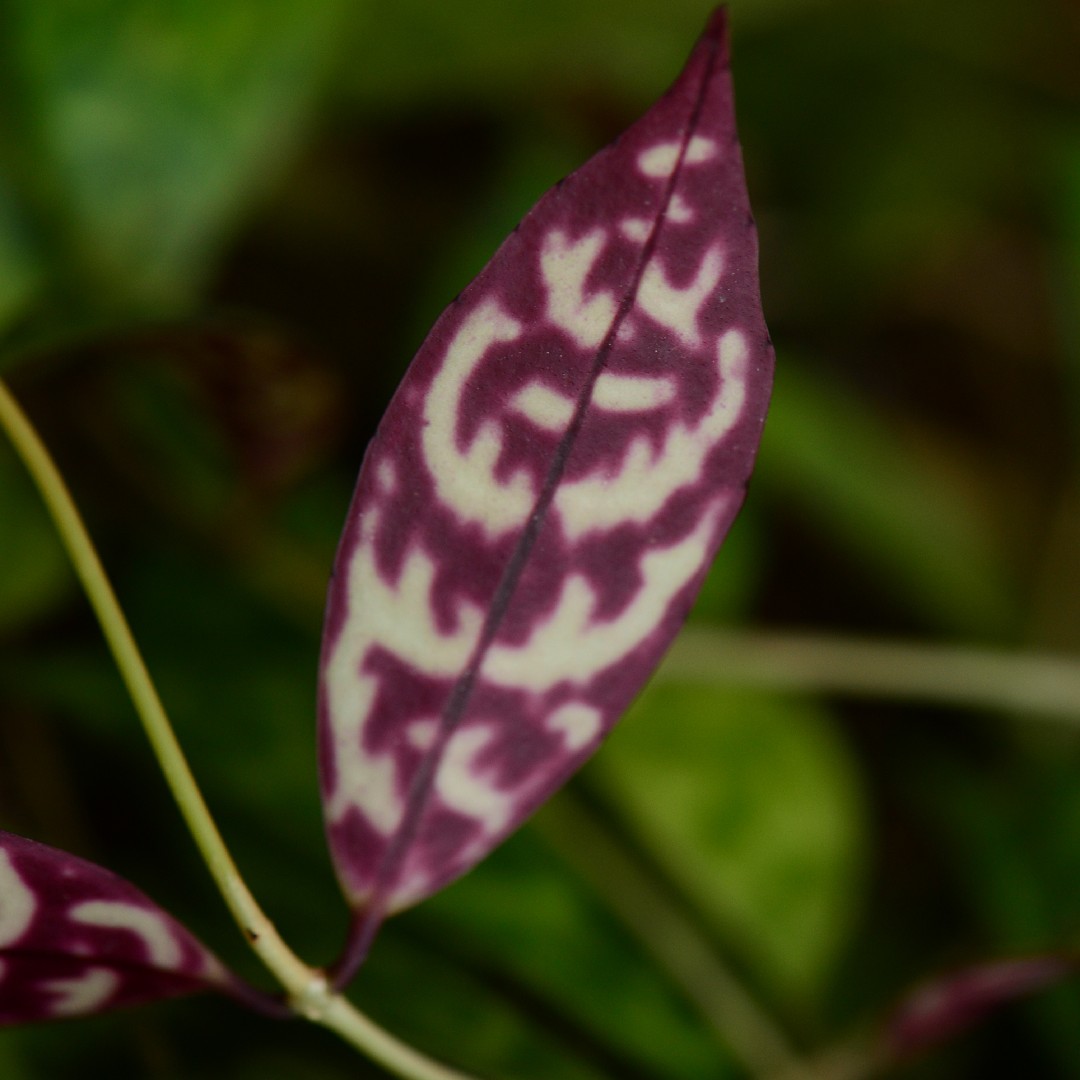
<point>458,700</point>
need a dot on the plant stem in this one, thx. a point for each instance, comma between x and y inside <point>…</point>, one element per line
<point>306,987</point>
<point>966,675</point>
<point>252,922</point>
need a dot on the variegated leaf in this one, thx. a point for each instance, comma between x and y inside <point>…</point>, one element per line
<point>76,939</point>
<point>543,496</point>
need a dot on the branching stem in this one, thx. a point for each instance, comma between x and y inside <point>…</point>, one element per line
<point>306,987</point>
<point>1039,684</point>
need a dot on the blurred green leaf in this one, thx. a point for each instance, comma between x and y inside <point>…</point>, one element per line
<point>151,125</point>
<point>752,805</point>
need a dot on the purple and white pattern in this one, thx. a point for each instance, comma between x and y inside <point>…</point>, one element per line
<point>76,939</point>
<point>542,499</point>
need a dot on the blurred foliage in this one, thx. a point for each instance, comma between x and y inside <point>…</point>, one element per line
<point>224,229</point>
<point>754,811</point>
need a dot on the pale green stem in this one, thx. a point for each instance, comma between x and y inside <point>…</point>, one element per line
<point>305,986</point>
<point>1040,684</point>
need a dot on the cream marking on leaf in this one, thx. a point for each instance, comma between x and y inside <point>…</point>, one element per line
<point>564,265</point>
<point>162,948</point>
<point>700,149</point>
<point>544,407</point>
<point>400,618</point>
<point>214,970</point>
<point>632,393</point>
<point>659,161</point>
<point>647,478</point>
<point>679,210</point>
<point>465,787</point>
<point>466,481</point>
<point>17,903</point>
<point>83,993</point>
<point>386,476</point>
<point>678,309</point>
<point>552,411</point>
<point>365,780</point>
<point>421,733</point>
<point>571,645</point>
<point>578,723</point>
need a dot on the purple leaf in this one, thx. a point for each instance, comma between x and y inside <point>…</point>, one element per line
<point>949,1005</point>
<point>76,939</point>
<point>542,499</point>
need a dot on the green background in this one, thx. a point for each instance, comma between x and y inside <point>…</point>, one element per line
<point>224,230</point>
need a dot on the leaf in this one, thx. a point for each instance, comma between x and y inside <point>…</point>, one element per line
<point>755,812</point>
<point>949,1005</point>
<point>150,125</point>
<point>542,499</point>
<point>76,939</point>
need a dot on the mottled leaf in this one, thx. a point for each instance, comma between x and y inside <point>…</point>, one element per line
<point>947,1006</point>
<point>543,498</point>
<point>76,939</point>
